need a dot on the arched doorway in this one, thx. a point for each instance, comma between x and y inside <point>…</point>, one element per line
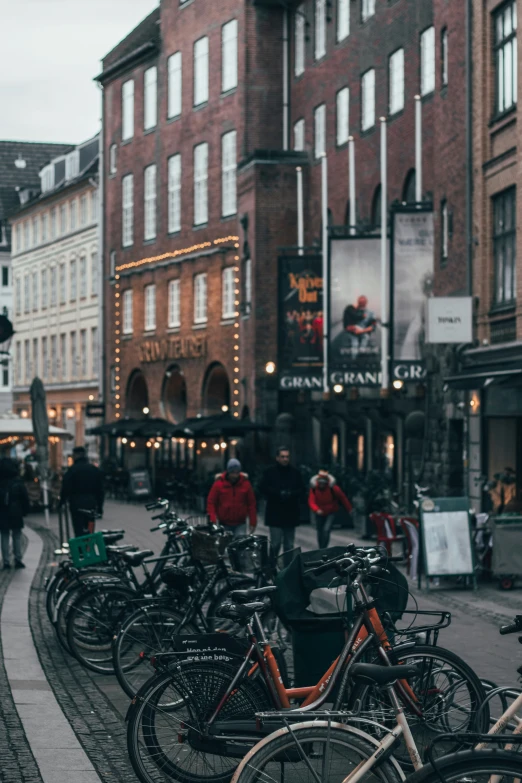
<point>216,390</point>
<point>408,190</point>
<point>174,395</point>
<point>137,397</point>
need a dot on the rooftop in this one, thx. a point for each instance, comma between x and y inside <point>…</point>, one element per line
<point>145,37</point>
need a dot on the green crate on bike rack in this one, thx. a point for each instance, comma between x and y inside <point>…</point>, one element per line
<point>88,550</point>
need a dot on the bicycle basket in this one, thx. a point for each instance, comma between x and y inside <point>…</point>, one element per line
<point>249,554</point>
<point>206,547</point>
<point>87,550</point>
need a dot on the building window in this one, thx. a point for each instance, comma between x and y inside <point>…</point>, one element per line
<point>174,194</point>
<point>444,232</point>
<point>200,299</point>
<point>201,71</point>
<point>376,208</point>
<point>112,263</point>
<point>5,377</point>
<point>94,205</point>
<point>27,295</point>
<point>320,130</point>
<point>150,202</point>
<point>94,274</point>
<point>18,296</point>
<point>127,312</point>
<point>505,27</point>
<point>35,290</point>
<point>27,235</point>
<point>368,100</point>
<point>53,286</point>
<point>444,56</point>
<point>83,278</point>
<point>367,9</point>
<point>299,40</point>
<point>343,19</point>
<point>504,246</point>
<point>150,307</point>
<point>73,216</point>
<point>63,356</point>
<point>27,362</point>
<point>127,185</point>
<point>229,56</point>
<point>299,136</point>
<point>113,150</point>
<point>63,219</point>
<point>45,221</point>
<point>84,354</point>
<point>74,356</point>
<point>427,53</point>
<point>247,286</point>
<point>35,231</point>
<point>83,210</point>
<point>63,284</point>
<point>127,110</point>
<point>45,359</point>
<point>36,356</point>
<point>150,98</point>
<point>95,352</point>
<point>45,293</point>
<point>5,277</point>
<point>228,174</point>
<point>54,223</point>
<point>320,29</point>
<point>174,304</point>
<point>54,358</point>
<point>396,81</point>
<point>227,293</point>
<point>18,238</point>
<point>201,184</point>
<point>343,115</point>
<point>174,85</point>
<point>19,362</point>
<point>74,281</point>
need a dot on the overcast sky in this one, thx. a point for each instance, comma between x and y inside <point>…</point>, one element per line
<point>50,50</point>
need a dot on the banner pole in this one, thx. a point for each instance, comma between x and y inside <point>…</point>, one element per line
<point>300,220</point>
<point>324,217</point>
<point>384,258</point>
<point>418,149</point>
<point>351,183</point>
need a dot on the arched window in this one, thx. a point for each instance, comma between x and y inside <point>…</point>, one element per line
<point>376,208</point>
<point>408,191</point>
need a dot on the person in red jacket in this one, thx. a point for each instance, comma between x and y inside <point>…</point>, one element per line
<point>324,499</point>
<point>231,500</point>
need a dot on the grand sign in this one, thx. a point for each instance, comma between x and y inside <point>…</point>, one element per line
<point>173,348</point>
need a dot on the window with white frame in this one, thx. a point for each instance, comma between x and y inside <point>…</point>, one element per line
<point>84,353</point>
<point>27,294</point>
<point>127,202</point>
<point>54,223</point>
<point>396,81</point>
<point>112,263</point>
<point>74,355</point>
<point>73,281</point>
<point>35,290</point>
<point>367,9</point>
<point>174,95</point>
<point>47,178</point>
<point>427,57</point>
<point>299,135</point>
<point>368,99</point>
<point>72,164</point>
<point>229,56</point>
<point>44,288</point>
<point>73,214</point>
<point>54,357</point>
<point>247,286</point>
<point>320,131</point>
<point>343,115</point>
<point>45,359</point>
<point>63,357</point>
<point>53,286</point>
<point>174,304</point>
<point>150,98</point>
<point>444,56</point>
<point>201,184</point>
<point>18,296</point>
<point>201,71</point>
<point>94,274</point>
<point>83,277</point>
<point>27,235</point>
<point>113,151</point>
<point>63,284</point>
<point>36,356</point>
<point>19,238</point>
<point>19,362</point>
<point>127,110</point>
<point>227,293</point>
<point>505,51</point>
<point>299,40</point>
<point>5,277</point>
<point>27,360</point>
<point>444,232</point>
<point>150,203</point>
<point>228,174</point>
<point>63,218</point>
<point>150,307</point>
<point>95,351</point>
<point>94,205</point>
<point>35,231</point>
<point>343,19</point>
<point>320,29</point>
<point>127,312</point>
<point>174,194</point>
<point>200,298</point>
<point>45,223</point>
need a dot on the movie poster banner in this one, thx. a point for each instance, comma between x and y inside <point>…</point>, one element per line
<point>355,311</point>
<point>300,322</point>
<point>412,269</point>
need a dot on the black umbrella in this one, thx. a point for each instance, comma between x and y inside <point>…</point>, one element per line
<point>41,436</point>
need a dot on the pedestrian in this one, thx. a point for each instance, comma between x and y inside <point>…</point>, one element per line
<point>14,505</point>
<point>284,490</point>
<point>82,488</point>
<point>231,501</point>
<point>324,499</point>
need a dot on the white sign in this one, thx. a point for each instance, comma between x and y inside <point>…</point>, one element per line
<point>450,319</point>
<point>447,543</point>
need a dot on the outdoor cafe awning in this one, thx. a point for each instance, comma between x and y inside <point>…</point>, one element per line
<point>219,426</point>
<point>23,428</point>
<point>482,379</point>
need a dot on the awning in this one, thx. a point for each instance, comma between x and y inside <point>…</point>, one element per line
<point>24,428</point>
<point>481,380</point>
<point>218,426</point>
<point>137,428</point>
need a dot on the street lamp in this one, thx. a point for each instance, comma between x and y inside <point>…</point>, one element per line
<point>398,385</point>
<point>338,388</point>
<point>270,368</point>
<point>146,410</point>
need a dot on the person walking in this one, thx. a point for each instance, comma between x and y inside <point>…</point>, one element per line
<point>284,490</point>
<point>82,489</point>
<point>324,498</point>
<point>14,505</point>
<point>231,501</point>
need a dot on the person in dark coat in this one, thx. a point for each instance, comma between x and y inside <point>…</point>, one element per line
<point>14,504</point>
<point>284,490</point>
<point>82,488</point>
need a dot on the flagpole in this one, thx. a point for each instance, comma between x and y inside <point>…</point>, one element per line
<point>324,217</point>
<point>300,220</point>
<point>351,183</point>
<point>418,149</point>
<point>384,257</point>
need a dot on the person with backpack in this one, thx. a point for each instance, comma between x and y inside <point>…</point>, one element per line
<point>324,499</point>
<point>14,505</point>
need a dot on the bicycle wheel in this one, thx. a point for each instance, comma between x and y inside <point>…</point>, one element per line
<point>166,725</point>
<point>473,766</point>
<point>146,632</point>
<point>57,584</point>
<point>448,693</point>
<point>91,625</point>
<point>311,752</point>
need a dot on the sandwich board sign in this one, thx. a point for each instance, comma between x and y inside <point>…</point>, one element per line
<point>447,545</point>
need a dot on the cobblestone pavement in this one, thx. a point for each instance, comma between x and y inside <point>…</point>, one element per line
<point>95,705</point>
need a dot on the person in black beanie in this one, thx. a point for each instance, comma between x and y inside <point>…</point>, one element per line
<point>284,490</point>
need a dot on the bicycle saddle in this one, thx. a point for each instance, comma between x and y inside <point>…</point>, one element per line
<point>121,548</point>
<point>382,675</point>
<point>111,538</point>
<point>252,593</point>
<point>106,532</point>
<point>239,611</point>
<point>137,558</point>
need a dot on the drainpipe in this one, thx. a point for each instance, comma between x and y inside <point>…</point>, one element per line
<point>469,148</point>
<point>286,89</point>
<point>102,356</point>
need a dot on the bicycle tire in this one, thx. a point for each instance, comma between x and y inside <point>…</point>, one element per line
<point>470,765</point>
<point>154,636</point>
<point>265,761</point>
<point>193,689</point>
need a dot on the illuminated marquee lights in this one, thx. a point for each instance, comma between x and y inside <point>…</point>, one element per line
<point>176,253</point>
